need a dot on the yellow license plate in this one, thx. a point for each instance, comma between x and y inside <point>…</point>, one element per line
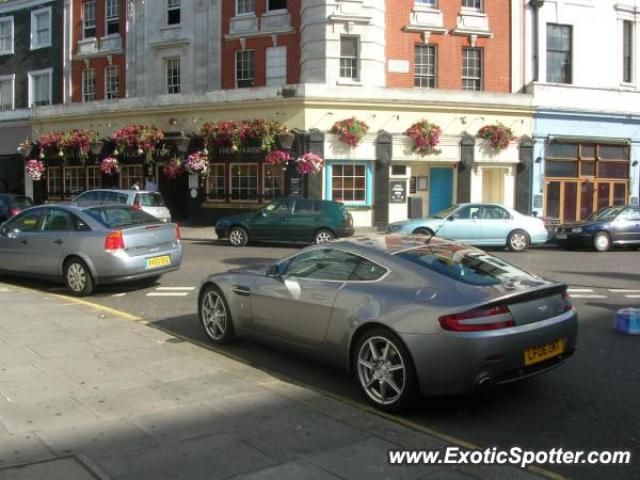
<point>543,352</point>
<point>156,262</point>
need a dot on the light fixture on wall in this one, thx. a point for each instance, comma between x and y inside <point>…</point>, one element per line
<point>539,160</point>
<point>286,139</point>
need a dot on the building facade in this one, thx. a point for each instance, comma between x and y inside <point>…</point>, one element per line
<point>31,76</point>
<point>586,91</point>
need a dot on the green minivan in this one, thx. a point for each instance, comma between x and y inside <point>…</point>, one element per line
<point>288,220</point>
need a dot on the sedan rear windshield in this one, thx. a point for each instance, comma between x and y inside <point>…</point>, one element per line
<point>150,199</point>
<point>117,217</point>
<point>464,264</point>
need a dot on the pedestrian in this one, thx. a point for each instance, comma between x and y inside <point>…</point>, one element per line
<point>150,185</point>
<point>136,185</point>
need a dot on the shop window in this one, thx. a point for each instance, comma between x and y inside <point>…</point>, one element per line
<point>54,182</point>
<point>273,180</point>
<point>244,181</point>
<point>94,178</point>
<point>349,183</point>
<point>613,152</point>
<point>555,168</point>
<point>613,170</point>
<point>216,184</point>
<point>129,174</point>
<point>587,151</point>
<point>587,169</point>
<point>562,150</point>
<point>74,181</point>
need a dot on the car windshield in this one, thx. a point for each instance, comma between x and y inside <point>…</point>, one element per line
<point>604,215</point>
<point>464,264</point>
<point>117,217</point>
<point>151,199</point>
<point>444,213</point>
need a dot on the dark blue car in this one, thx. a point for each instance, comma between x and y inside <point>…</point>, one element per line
<point>603,229</point>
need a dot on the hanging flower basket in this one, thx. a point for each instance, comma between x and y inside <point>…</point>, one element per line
<point>278,157</point>
<point>498,135</point>
<point>173,168</point>
<point>350,131</point>
<point>76,141</point>
<point>244,133</point>
<point>35,169</point>
<point>197,164</point>
<point>109,166</point>
<point>309,163</point>
<point>221,134</point>
<point>425,136</point>
<point>139,140</point>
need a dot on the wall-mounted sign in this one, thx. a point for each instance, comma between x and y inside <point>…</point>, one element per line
<point>537,201</point>
<point>413,181</point>
<point>193,181</point>
<point>423,184</point>
<point>398,191</point>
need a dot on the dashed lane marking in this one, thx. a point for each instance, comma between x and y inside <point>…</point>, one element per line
<point>578,290</point>
<point>588,296</point>
<point>174,288</point>
<point>624,290</point>
<point>167,294</point>
<point>632,296</point>
<point>119,294</point>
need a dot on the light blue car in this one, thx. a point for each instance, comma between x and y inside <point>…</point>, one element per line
<point>486,224</point>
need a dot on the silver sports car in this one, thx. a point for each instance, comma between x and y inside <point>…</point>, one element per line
<point>404,314</point>
<point>85,247</point>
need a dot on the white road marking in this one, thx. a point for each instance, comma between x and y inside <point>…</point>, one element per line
<point>624,290</point>
<point>119,294</point>
<point>578,290</point>
<point>588,296</point>
<point>632,296</point>
<point>174,288</point>
<point>167,294</point>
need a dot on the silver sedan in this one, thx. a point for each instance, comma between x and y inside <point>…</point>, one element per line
<point>85,247</point>
<point>405,315</point>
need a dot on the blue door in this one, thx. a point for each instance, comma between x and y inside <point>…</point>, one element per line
<point>441,188</point>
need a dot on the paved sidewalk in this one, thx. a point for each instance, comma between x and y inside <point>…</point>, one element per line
<point>86,394</point>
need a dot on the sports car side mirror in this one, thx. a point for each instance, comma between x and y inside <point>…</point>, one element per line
<point>451,218</point>
<point>273,271</point>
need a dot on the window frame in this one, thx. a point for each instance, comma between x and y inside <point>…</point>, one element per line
<point>94,177</point>
<point>568,81</point>
<point>252,13</point>
<point>113,19</point>
<point>169,8</point>
<point>252,78</point>
<point>275,10</point>
<point>368,182</point>
<point>480,78</point>
<point>277,168</point>
<point>128,172</point>
<point>107,93</point>
<point>354,59</point>
<point>269,80</point>
<point>34,37</point>
<point>628,37</point>
<point>467,8</point>
<point>59,179</point>
<point>36,73</point>
<point>80,180</point>
<point>426,46</point>
<point>94,25</point>
<point>285,264</point>
<point>231,177</point>
<point>169,85</point>
<point>426,3</point>
<point>210,177</point>
<point>86,95</point>
<point>9,20</point>
<point>12,79</point>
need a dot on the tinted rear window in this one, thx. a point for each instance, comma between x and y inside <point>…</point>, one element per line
<point>463,264</point>
<point>116,217</point>
<point>22,202</point>
<point>150,200</point>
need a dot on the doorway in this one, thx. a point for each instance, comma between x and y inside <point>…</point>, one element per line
<point>572,200</point>
<point>493,185</point>
<point>440,188</point>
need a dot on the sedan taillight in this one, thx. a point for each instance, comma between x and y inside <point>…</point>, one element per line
<point>13,212</point>
<point>114,242</point>
<point>568,303</point>
<point>493,318</point>
<point>178,236</point>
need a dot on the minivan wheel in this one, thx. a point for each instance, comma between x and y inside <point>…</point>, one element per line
<point>518,241</point>
<point>238,236</point>
<point>384,370</point>
<point>323,236</point>
<point>601,242</point>
<point>77,278</point>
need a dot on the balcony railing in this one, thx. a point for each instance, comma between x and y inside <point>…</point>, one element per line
<point>278,22</point>
<point>104,46</point>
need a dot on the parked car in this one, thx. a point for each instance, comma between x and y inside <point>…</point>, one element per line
<point>483,224</point>
<point>602,229</point>
<point>150,202</point>
<point>405,315</point>
<point>289,220</point>
<point>89,246</point>
<point>11,205</point>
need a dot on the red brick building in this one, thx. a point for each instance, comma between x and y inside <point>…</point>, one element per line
<point>449,44</point>
<point>98,46</point>
<point>260,43</point>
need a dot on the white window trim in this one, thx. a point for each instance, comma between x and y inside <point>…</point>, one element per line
<point>40,72</point>
<point>236,66</point>
<point>33,24</point>
<point>166,74</point>
<point>230,191</point>
<point>166,17</point>
<point>473,10</point>
<point>226,189</point>
<point>106,22</point>
<point>106,81</point>
<point>250,14</point>
<point>11,77</point>
<point>366,183</point>
<point>9,19</point>
<point>84,84</point>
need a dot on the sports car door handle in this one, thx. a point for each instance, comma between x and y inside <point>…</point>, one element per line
<point>241,290</point>
<point>317,296</point>
<point>58,242</point>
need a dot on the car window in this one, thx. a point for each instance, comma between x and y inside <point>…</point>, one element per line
<point>304,206</point>
<point>444,213</point>
<point>493,212</point>
<point>278,208</point>
<point>115,217</point>
<point>631,215</point>
<point>466,213</point>
<point>87,197</point>
<point>79,224</point>
<point>57,220</point>
<point>114,197</point>
<point>25,222</point>
<point>150,199</point>
<point>333,265</point>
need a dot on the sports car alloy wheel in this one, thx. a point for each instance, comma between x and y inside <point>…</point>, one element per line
<point>381,370</point>
<point>214,315</point>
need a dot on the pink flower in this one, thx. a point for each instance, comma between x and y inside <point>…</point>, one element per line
<point>35,169</point>
<point>309,163</point>
<point>109,166</point>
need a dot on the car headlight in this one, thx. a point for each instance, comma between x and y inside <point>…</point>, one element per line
<point>393,228</point>
<point>576,230</point>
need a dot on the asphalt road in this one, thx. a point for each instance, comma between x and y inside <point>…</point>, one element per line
<point>591,403</point>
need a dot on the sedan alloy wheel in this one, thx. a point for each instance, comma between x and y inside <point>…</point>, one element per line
<point>77,278</point>
<point>602,242</point>
<point>323,236</point>
<point>238,237</point>
<point>518,241</point>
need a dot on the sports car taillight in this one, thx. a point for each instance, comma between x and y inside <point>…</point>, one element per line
<point>568,304</point>
<point>178,236</point>
<point>114,242</point>
<point>478,320</point>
